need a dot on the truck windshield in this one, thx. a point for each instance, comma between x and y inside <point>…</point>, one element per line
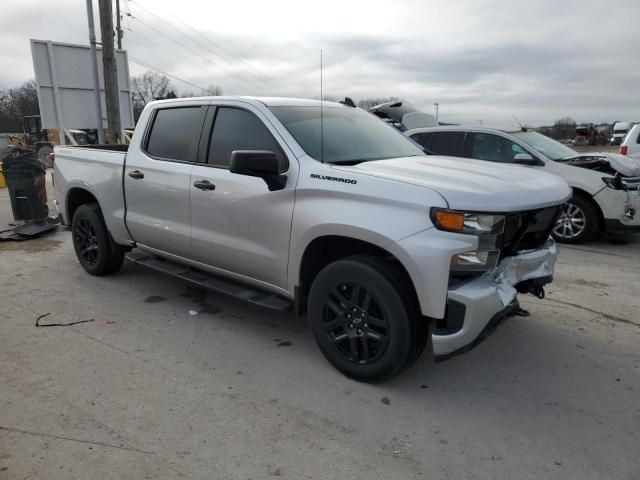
<point>545,145</point>
<point>350,135</point>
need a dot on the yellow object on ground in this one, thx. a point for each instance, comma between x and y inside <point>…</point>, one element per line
<point>3,184</point>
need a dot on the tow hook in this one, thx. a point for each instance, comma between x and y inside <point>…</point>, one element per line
<point>538,292</point>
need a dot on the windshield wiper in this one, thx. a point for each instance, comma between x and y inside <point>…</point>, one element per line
<point>356,161</point>
<point>347,162</point>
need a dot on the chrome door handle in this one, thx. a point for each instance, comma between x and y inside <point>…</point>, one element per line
<point>137,174</point>
<point>204,185</point>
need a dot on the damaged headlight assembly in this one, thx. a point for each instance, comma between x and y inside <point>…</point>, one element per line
<point>487,227</point>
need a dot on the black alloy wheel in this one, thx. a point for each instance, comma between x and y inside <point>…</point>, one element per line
<point>96,251</point>
<point>363,318</point>
<point>356,323</point>
<point>86,241</point>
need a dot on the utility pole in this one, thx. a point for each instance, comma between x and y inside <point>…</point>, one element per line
<point>118,26</point>
<point>94,64</point>
<point>435,104</point>
<point>111,90</point>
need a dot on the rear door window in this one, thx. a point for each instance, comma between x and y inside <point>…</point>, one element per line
<point>447,143</point>
<point>175,133</point>
<point>237,129</point>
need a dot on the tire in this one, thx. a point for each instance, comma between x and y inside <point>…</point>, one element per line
<point>578,222</point>
<point>362,321</point>
<point>96,251</point>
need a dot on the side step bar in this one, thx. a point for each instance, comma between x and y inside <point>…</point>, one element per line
<point>211,282</point>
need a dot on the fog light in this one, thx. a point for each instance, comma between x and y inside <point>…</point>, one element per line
<point>474,261</point>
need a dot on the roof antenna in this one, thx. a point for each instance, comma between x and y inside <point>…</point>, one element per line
<point>321,115</point>
<point>522,127</point>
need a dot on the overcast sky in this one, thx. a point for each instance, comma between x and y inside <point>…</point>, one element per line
<point>480,60</point>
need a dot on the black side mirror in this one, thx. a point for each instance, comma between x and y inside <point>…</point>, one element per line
<point>260,163</point>
<point>526,159</point>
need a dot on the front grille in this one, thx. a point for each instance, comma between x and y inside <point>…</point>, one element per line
<point>527,230</point>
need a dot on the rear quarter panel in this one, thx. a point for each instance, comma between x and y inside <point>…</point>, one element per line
<point>98,172</point>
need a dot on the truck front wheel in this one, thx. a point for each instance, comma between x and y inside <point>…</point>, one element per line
<point>95,250</point>
<point>361,320</point>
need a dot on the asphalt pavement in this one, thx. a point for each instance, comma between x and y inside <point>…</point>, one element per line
<point>163,381</point>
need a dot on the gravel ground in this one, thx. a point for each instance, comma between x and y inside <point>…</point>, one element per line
<point>146,390</point>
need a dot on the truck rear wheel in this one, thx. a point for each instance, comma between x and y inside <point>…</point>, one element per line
<point>361,320</point>
<point>95,250</point>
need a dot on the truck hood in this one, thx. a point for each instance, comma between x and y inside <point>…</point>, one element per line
<point>472,185</point>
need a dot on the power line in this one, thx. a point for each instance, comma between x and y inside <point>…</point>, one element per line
<point>180,57</point>
<point>157,70</point>
<point>259,75</point>
<point>186,47</point>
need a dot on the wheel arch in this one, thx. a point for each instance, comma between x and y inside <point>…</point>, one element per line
<point>325,249</point>
<point>589,198</point>
<point>76,197</point>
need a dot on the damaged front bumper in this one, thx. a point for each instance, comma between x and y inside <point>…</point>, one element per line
<point>476,306</point>
<point>620,208</point>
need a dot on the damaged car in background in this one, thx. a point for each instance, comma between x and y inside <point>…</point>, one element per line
<point>606,185</point>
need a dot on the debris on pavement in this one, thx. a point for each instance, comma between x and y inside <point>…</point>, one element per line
<point>38,324</point>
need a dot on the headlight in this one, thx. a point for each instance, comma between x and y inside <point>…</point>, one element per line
<point>486,226</point>
<point>467,222</point>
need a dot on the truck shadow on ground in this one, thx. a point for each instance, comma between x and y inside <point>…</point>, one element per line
<point>523,355</point>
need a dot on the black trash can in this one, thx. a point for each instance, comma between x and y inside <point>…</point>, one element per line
<point>25,177</point>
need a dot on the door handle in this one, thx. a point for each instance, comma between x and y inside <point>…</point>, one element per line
<point>204,185</point>
<point>137,174</point>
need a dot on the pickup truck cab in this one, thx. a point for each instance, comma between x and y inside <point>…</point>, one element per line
<point>292,203</point>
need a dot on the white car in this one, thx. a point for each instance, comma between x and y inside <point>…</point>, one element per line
<point>631,143</point>
<point>605,185</point>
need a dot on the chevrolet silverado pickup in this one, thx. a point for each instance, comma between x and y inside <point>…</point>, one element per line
<point>320,208</point>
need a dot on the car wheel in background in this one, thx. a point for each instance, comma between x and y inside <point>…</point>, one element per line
<point>578,222</point>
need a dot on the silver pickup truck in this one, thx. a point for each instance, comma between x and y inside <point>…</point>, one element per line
<point>322,209</point>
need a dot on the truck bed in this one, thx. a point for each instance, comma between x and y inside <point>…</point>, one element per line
<point>97,169</point>
<point>103,146</point>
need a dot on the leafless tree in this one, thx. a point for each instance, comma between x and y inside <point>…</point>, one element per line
<point>367,103</point>
<point>210,91</point>
<point>148,87</point>
<point>564,128</point>
<point>15,103</point>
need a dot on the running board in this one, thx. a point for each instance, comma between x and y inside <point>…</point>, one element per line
<point>211,282</point>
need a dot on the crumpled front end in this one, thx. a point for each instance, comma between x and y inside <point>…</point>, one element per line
<point>476,306</point>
